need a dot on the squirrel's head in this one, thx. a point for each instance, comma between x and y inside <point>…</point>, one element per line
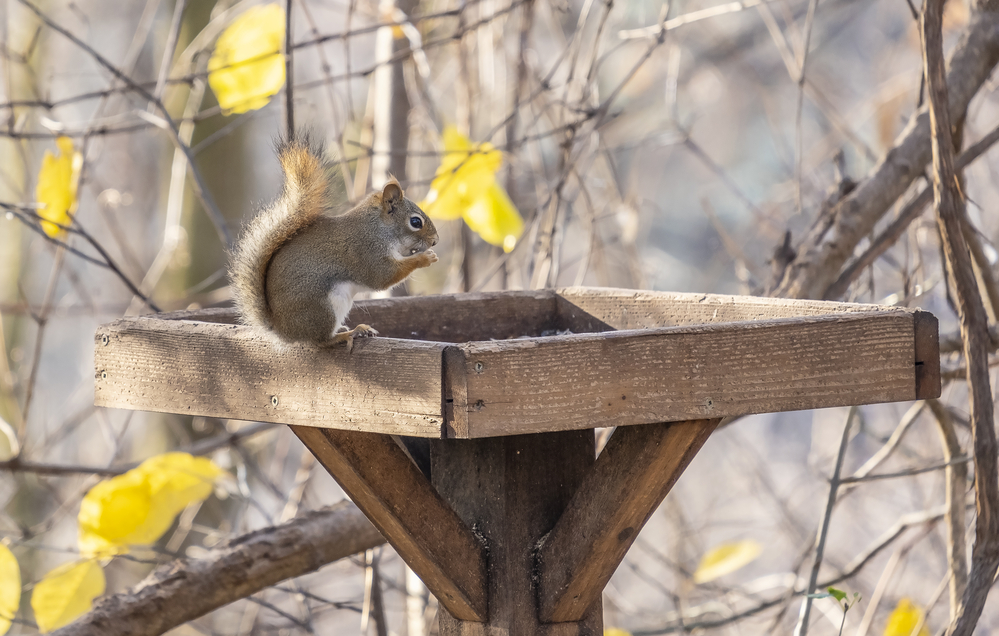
<point>414,229</point>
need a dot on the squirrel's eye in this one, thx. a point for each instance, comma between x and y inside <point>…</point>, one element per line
<point>415,222</point>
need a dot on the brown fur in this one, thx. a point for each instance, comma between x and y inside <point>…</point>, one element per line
<point>296,251</point>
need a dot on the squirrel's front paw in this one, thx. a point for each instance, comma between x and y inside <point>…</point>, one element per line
<point>431,256</point>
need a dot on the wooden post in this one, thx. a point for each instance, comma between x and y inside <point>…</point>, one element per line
<point>511,491</point>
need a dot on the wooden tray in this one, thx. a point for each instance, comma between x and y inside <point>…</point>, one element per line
<point>506,363</point>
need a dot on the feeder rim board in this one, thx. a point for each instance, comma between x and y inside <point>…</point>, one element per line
<point>614,357</point>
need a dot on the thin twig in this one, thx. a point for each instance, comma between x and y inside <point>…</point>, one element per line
<point>960,460</point>
<point>820,543</point>
<point>32,220</point>
<point>200,188</point>
<point>171,44</point>
<point>851,570</point>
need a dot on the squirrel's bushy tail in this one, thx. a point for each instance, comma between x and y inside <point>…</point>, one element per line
<point>310,189</point>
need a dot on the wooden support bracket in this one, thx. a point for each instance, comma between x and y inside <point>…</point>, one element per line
<point>631,477</point>
<point>405,507</point>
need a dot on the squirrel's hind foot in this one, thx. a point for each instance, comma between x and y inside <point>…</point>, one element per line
<point>347,337</point>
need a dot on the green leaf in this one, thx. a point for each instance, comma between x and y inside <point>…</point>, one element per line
<point>839,594</point>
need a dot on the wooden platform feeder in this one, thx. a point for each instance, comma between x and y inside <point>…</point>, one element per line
<point>515,525</point>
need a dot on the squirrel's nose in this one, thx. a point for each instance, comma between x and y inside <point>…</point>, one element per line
<point>434,242</point>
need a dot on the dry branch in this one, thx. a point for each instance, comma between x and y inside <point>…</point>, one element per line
<point>833,237</point>
<point>184,590</point>
<point>956,486</point>
<point>974,325</point>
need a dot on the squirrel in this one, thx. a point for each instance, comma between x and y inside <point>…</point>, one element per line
<point>299,262</point>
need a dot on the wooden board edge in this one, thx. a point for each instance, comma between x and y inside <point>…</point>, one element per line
<point>482,423</point>
<point>454,393</point>
<point>501,346</point>
<point>223,315</point>
<point>110,392</point>
<point>536,294</point>
<point>927,359</point>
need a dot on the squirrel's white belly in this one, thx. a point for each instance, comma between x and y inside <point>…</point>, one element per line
<point>341,299</point>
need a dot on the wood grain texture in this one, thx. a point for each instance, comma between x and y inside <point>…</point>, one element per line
<point>512,491</point>
<point>228,371</point>
<point>927,355</point>
<point>455,396</point>
<point>588,309</point>
<point>632,475</point>
<point>460,317</point>
<point>647,376</point>
<point>655,356</point>
<point>403,505</point>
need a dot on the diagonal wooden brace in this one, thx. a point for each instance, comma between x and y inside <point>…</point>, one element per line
<point>630,478</point>
<point>405,507</point>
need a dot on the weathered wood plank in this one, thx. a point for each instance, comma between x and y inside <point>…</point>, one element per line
<point>632,475</point>
<point>460,317</point>
<point>520,385</point>
<point>640,377</point>
<point>440,318</point>
<point>199,368</point>
<point>406,509</point>
<point>591,309</point>
<point>513,490</point>
<point>455,395</point>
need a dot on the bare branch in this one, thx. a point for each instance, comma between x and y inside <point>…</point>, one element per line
<point>186,589</point>
<point>909,213</point>
<point>820,542</point>
<point>974,325</point>
<point>832,239</point>
<point>957,486</point>
<point>200,189</point>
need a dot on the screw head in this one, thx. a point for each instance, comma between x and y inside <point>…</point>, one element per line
<point>274,401</point>
<point>104,375</point>
<point>479,367</point>
<point>105,340</point>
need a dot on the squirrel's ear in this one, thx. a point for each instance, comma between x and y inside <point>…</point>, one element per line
<point>391,193</point>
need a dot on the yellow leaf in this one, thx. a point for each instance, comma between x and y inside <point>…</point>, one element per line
<point>904,618</point>
<point>247,66</point>
<point>616,631</point>
<point>10,588</point>
<point>66,593</point>
<point>111,512</point>
<point>465,187</point>
<point>494,218</point>
<point>726,558</point>
<point>465,174</point>
<point>175,480</point>
<point>138,507</point>
<point>56,189</point>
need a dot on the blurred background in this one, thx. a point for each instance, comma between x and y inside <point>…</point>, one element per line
<point>646,145</point>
